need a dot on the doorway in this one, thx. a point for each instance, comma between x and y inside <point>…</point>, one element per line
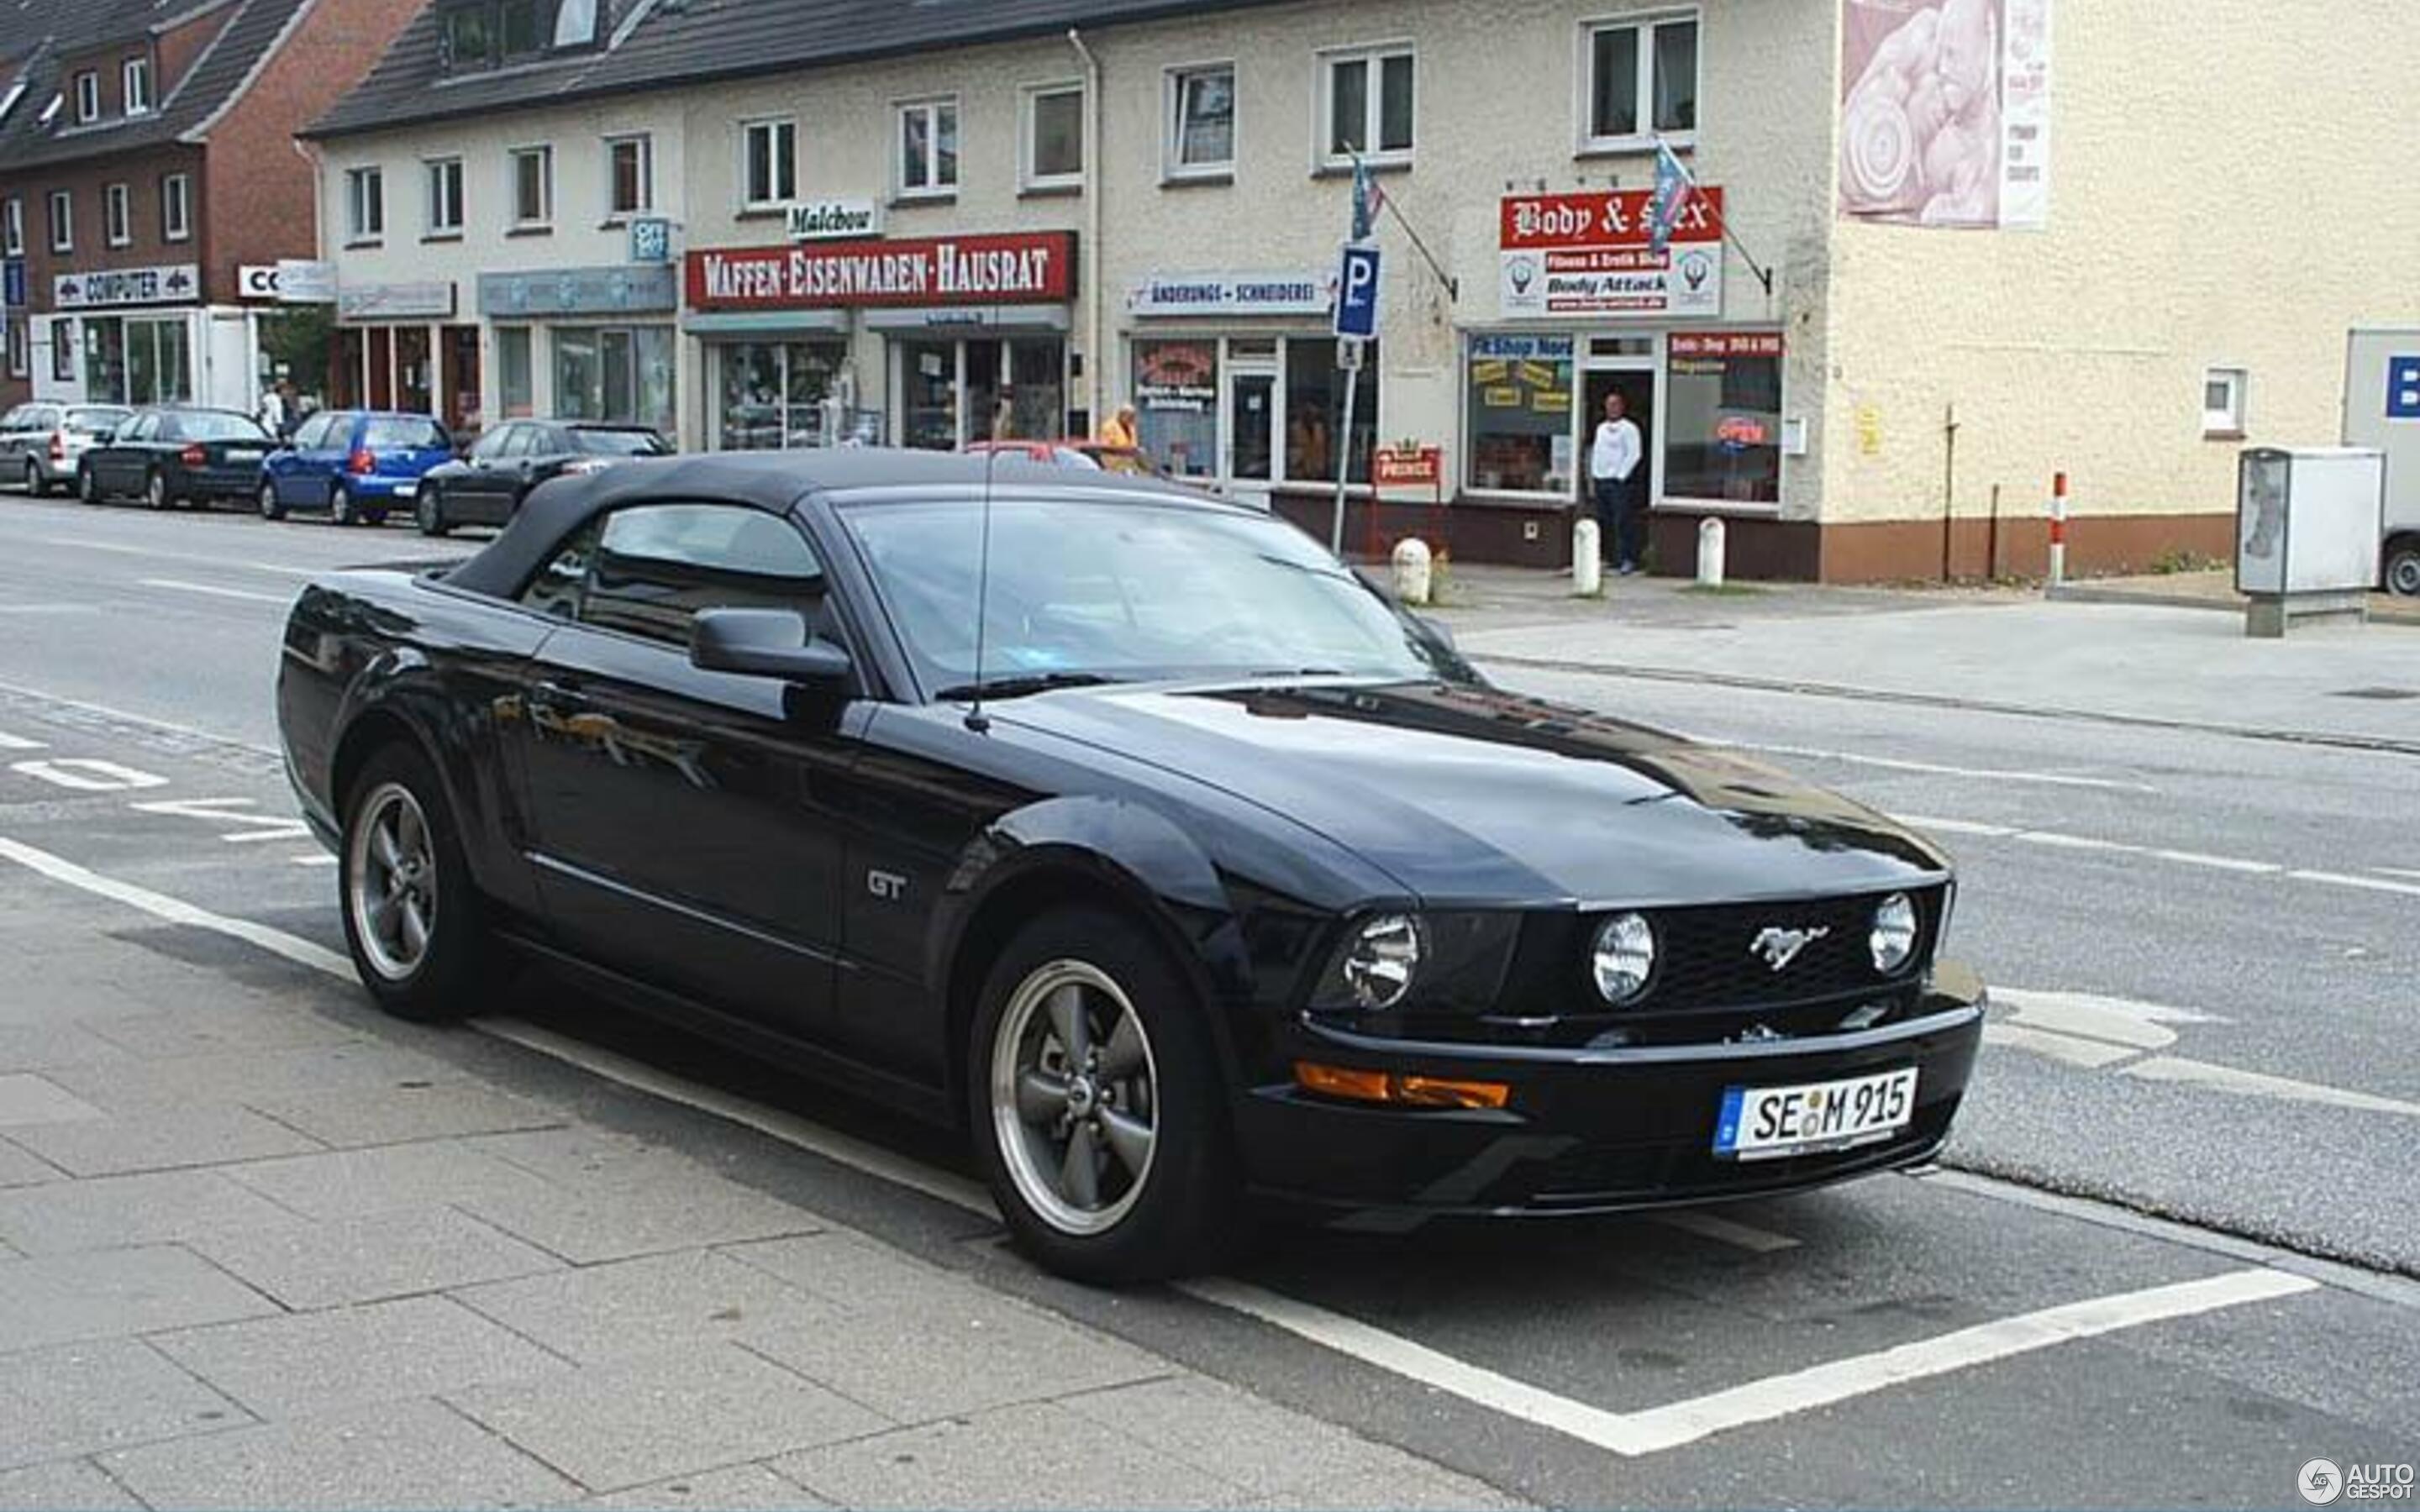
<point>1251,424</point>
<point>1636,386</point>
<point>464,402</point>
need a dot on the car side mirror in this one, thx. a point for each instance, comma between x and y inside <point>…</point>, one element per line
<point>765,642</point>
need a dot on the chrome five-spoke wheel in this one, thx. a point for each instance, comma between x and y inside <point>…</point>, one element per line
<point>393,892</point>
<point>1075,1097</point>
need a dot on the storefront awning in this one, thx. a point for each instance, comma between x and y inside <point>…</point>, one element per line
<point>766,322</point>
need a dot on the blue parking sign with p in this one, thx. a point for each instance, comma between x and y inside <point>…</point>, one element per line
<point>2403,388</point>
<point>1356,293</point>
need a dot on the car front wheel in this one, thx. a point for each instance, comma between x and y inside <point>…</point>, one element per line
<point>269,507</point>
<point>340,506</point>
<point>1098,1104</point>
<point>2403,569</point>
<point>429,513</point>
<point>155,491</point>
<point>413,918</point>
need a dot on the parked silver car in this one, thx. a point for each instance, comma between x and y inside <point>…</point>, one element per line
<point>40,442</point>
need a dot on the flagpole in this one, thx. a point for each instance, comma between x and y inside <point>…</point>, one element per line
<point>1722,221</point>
<point>1386,203</point>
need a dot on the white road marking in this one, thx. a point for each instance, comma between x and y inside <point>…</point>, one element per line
<point>1729,1231</point>
<point>181,556</point>
<point>320,859</point>
<point>2337,879</point>
<point>2118,1020</point>
<point>1671,1427</point>
<point>176,911</point>
<point>85,774</point>
<point>1894,764</point>
<point>2220,863</point>
<point>48,609</point>
<point>2255,1083</point>
<point>252,827</point>
<point>2054,839</point>
<point>104,710</point>
<point>215,592</point>
<point>2395,871</point>
<point>9,742</point>
<point>1958,826</point>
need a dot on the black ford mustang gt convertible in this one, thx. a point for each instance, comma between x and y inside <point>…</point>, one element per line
<point>1127,827</point>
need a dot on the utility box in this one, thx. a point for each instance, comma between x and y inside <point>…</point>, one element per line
<point>2382,411</point>
<point>2307,524</point>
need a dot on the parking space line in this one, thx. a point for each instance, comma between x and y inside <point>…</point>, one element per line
<point>176,911</point>
<point>214,592</point>
<point>2054,839</point>
<point>1728,1231</point>
<point>9,742</point>
<point>183,556</point>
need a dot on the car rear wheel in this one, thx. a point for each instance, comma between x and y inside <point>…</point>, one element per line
<point>2403,569</point>
<point>88,487</point>
<point>340,506</point>
<point>155,490</point>
<point>269,507</point>
<point>1098,1105</point>
<point>413,919</point>
<point>429,513</point>
<point>35,486</point>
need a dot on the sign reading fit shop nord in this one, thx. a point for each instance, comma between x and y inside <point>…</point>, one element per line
<point>1014,267</point>
<point>1594,255</point>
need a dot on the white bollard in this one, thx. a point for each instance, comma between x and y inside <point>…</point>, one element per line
<point>1710,552</point>
<point>1588,569</point>
<point>1412,570</point>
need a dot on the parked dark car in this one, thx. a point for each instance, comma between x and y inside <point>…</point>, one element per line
<point>176,456</point>
<point>355,465</point>
<point>487,487</point>
<point>1252,890</point>
<point>40,443</point>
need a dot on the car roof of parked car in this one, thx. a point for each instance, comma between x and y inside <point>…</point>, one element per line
<point>775,482</point>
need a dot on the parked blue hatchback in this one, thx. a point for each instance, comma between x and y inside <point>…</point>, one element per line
<point>353,464</point>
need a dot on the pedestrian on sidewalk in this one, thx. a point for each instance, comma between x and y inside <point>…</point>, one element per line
<point>1614,475</point>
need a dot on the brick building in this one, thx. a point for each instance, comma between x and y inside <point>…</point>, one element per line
<point>146,158</point>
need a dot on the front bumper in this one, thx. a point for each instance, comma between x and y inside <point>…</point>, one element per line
<point>1588,1131</point>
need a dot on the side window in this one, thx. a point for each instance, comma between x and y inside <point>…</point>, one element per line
<point>658,564</point>
<point>491,445</point>
<point>528,441</point>
<point>313,432</point>
<point>141,429</point>
<point>165,428</point>
<point>556,590</point>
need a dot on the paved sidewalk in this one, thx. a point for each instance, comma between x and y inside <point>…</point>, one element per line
<point>260,1247</point>
<point>2212,590</point>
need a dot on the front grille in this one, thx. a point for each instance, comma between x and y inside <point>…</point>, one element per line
<point>1706,956</point>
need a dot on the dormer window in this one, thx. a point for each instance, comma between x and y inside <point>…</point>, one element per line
<point>137,79</point>
<point>474,36</point>
<point>88,92</point>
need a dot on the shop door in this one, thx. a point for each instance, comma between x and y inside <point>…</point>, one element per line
<point>928,395</point>
<point>1636,386</point>
<point>1251,426</point>
<point>414,371</point>
<point>463,406</point>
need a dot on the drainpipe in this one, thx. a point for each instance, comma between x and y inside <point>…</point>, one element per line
<point>1094,166</point>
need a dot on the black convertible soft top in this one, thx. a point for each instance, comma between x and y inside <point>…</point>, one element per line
<point>771,480</point>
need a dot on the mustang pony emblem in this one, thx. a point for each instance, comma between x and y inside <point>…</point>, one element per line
<point>1780,947</point>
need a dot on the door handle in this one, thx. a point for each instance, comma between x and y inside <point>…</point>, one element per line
<point>559,695</point>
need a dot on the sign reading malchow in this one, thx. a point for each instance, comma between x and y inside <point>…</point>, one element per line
<point>835,220</point>
<point>1014,267</point>
<point>1592,254</point>
<point>1945,112</point>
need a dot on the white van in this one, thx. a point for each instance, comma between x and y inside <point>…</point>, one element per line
<point>2382,411</point>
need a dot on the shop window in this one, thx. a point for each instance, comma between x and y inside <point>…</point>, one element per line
<point>2222,402</point>
<point>12,227</point>
<point>1519,414</point>
<point>1721,421</point>
<point>533,188</point>
<point>620,375</point>
<point>513,372</point>
<point>769,172</point>
<point>63,351</point>
<point>630,175</point>
<point>1368,107</point>
<point>87,96</point>
<point>135,80</point>
<point>1176,404</point>
<point>445,197</point>
<point>1054,137</point>
<point>1201,122</point>
<point>62,221</point>
<point>135,362</point>
<point>773,394</point>
<point>1315,411</point>
<point>117,214</point>
<point>21,358</point>
<point>175,207</point>
<point>1643,82</point>
<point>928,148</point>
<point>364,205</point>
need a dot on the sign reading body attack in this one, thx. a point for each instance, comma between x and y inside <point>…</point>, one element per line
<point>1945,112</point>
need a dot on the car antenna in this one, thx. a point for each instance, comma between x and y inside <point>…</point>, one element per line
<point>977,721</point>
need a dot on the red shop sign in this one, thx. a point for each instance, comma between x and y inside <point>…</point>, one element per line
<point>1616,218</point>
<point>1012,268</point>
<point>1723,344</point>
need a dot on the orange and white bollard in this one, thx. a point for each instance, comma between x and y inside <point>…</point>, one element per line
<point>2057,529</point>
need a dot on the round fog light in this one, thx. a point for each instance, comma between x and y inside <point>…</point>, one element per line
<point>1622,958</point>
<point>1893,940</point>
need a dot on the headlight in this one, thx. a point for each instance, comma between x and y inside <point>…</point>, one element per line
<point>1623,957</point>
<point>1893,940</point>
<point>1379,962</point>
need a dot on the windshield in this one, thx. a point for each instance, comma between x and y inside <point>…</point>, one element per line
<point>620,443</point>
<point>1122,590</point>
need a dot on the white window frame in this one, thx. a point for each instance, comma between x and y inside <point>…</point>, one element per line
<point>20,345</point>
<point>1172,115</point>
<point>781,165</point>
<point>646,142</point>
<point>177,194</point>
<point>1373,58</point>
<point>87,96</point>
<point>134,85</point>
<point>1645,25</point>
<point>12,227</point>
<point>932,189</point>
<point>544,220</point>
<point>118,215</point>
<point>433,207</point>
<point>62,211</point>
<point>364,205</point>
<point>2227,422</point>
<point>1029,177</point>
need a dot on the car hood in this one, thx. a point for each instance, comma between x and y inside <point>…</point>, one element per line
<point>1471,794</point>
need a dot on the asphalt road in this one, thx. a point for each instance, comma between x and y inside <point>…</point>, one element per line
<point>2180,1033</point>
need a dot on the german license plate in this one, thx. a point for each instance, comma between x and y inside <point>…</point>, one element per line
<point>243,453</point>
<point>405,490</point>
<point>1769,1122</point>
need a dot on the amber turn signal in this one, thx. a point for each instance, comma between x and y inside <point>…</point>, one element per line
<point>1390,1086</point>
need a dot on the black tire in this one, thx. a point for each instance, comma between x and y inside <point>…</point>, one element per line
<point>457,959</point>
<point>2402,575</point>
<point>88,487</point>
<point>35,486</point>
<point>429,512</point>
<point>340,507</point>
<point>270,508</point>
<point>155,491</point>
<point>1174,1215</point>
